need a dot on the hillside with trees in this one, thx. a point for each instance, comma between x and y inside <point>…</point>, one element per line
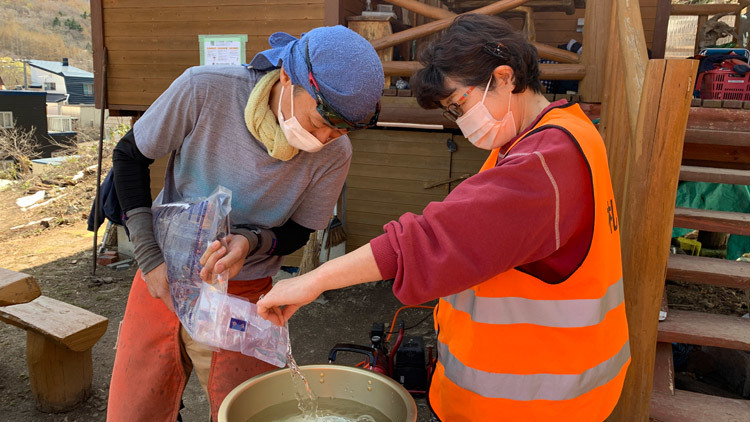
<point>43,30</point>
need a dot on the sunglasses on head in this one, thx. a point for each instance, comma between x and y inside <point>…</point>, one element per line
<point>333,117</point>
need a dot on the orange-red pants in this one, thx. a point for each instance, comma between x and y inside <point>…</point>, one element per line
<point>152,367</point>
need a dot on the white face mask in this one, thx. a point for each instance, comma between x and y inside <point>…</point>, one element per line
<point>295,134</point>
<point>482,130</point>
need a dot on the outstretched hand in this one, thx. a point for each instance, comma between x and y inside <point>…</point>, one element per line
<point>287,296</point>
<point>219,258</point>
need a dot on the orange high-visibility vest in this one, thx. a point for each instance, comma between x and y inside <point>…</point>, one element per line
<point>515,348</point>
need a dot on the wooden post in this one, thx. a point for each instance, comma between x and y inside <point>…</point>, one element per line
<point>60,377</point>
<point>614,125</point>
<point>596,30</point>
<point>654,164</point>
<point>659,44</point>
<point>702,19</point>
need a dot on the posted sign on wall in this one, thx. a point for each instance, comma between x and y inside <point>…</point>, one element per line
<point>222,49</point>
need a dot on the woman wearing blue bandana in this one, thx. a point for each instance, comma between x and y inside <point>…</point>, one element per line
<point>274,133</point>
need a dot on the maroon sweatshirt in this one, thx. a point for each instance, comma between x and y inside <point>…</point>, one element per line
<point>533,211</point>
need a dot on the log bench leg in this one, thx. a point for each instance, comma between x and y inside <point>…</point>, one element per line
<point>60,378</point>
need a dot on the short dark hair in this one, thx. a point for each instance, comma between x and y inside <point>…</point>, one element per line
<point>468,51</point>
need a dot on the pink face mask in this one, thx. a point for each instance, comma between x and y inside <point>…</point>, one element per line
<point>482,130</point>
<point>295,134</point>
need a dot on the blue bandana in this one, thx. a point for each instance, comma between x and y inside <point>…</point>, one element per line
<point>346,67</point>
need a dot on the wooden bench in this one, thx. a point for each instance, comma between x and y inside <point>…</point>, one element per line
<point>59,338</point>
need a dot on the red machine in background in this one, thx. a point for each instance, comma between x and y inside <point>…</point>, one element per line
<point>406,362</point>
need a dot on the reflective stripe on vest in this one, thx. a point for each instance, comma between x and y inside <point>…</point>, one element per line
<point>549,313</point>
<point>533,386</point>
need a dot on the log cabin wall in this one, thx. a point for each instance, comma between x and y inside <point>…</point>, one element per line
<point>149,44</point>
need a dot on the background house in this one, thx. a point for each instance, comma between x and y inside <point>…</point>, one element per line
<point>61,78</point>
<point>27,110</point>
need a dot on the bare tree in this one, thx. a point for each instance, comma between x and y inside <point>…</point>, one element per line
<point>20,146</point>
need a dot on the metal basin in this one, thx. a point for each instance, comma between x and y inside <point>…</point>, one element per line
<point>343,382</point>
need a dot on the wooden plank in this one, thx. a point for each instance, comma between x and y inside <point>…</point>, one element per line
<point>715,221</point>
<point>714,175</point>
<point>399,160</point>
<point>387,197</point>
<point>664,369</point>
<point>399,173</point>
<point>252,12</point>
<point>646,219</point>
<point>717,156</point>
<point>379,208</point>
<point>686,406</point>
<point>718,137</point>
<point>370,219</point>
<point>181,4</point>
<point>368,230</point>
<point>17,288</point>
<point>731,332</point>
<point>716,272</point>
<point>74,327</point>
<point>207,27</point>
<point>719,119</point>
<point>390,185</point>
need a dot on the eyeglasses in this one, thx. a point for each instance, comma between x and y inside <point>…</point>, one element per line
<point>330,114</point>
<point>453,111</point>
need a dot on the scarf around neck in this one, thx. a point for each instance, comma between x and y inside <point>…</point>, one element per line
<point>262,123</point>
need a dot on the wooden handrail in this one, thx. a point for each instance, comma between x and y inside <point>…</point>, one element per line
<point>634,55</point>
<point>423,9</point>
<point>565,72</point>
<point>446,17</point>
<point>706,9</point>
<point>545,51</point>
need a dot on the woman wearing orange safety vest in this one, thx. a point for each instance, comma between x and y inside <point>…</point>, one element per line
<point>524,255</point>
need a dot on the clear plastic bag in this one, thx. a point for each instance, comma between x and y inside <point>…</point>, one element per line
<point>183,231</point>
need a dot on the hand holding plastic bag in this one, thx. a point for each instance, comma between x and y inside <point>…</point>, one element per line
<point>183,231</point>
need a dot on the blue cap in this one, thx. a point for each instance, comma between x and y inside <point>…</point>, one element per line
<point>346,67</point>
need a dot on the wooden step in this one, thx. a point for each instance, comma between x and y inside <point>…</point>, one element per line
<point>715,221</point>
<point>686,406</point>
<point>713,271</point>
<point>705,329</point>
<point>717,137</point>
<point>714,175</point>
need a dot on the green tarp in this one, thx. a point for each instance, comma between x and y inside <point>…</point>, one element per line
<point>716,197</point>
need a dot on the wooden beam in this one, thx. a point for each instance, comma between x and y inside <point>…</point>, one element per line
<point>423,9</point>
<point>664,369</point>
<point>544,50</point>
<point>635,56</point>
<point>646,216</point>
<point>97,40</point>
<point>703,9</point>
<point>551,71</point>
<point>595,38</point>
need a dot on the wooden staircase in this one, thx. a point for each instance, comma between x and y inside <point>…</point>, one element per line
<point>699,328</point>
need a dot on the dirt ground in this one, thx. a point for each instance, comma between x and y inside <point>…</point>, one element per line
<point>57,252</point>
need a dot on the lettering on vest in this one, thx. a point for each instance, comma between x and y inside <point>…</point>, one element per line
<point>612,216</point>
